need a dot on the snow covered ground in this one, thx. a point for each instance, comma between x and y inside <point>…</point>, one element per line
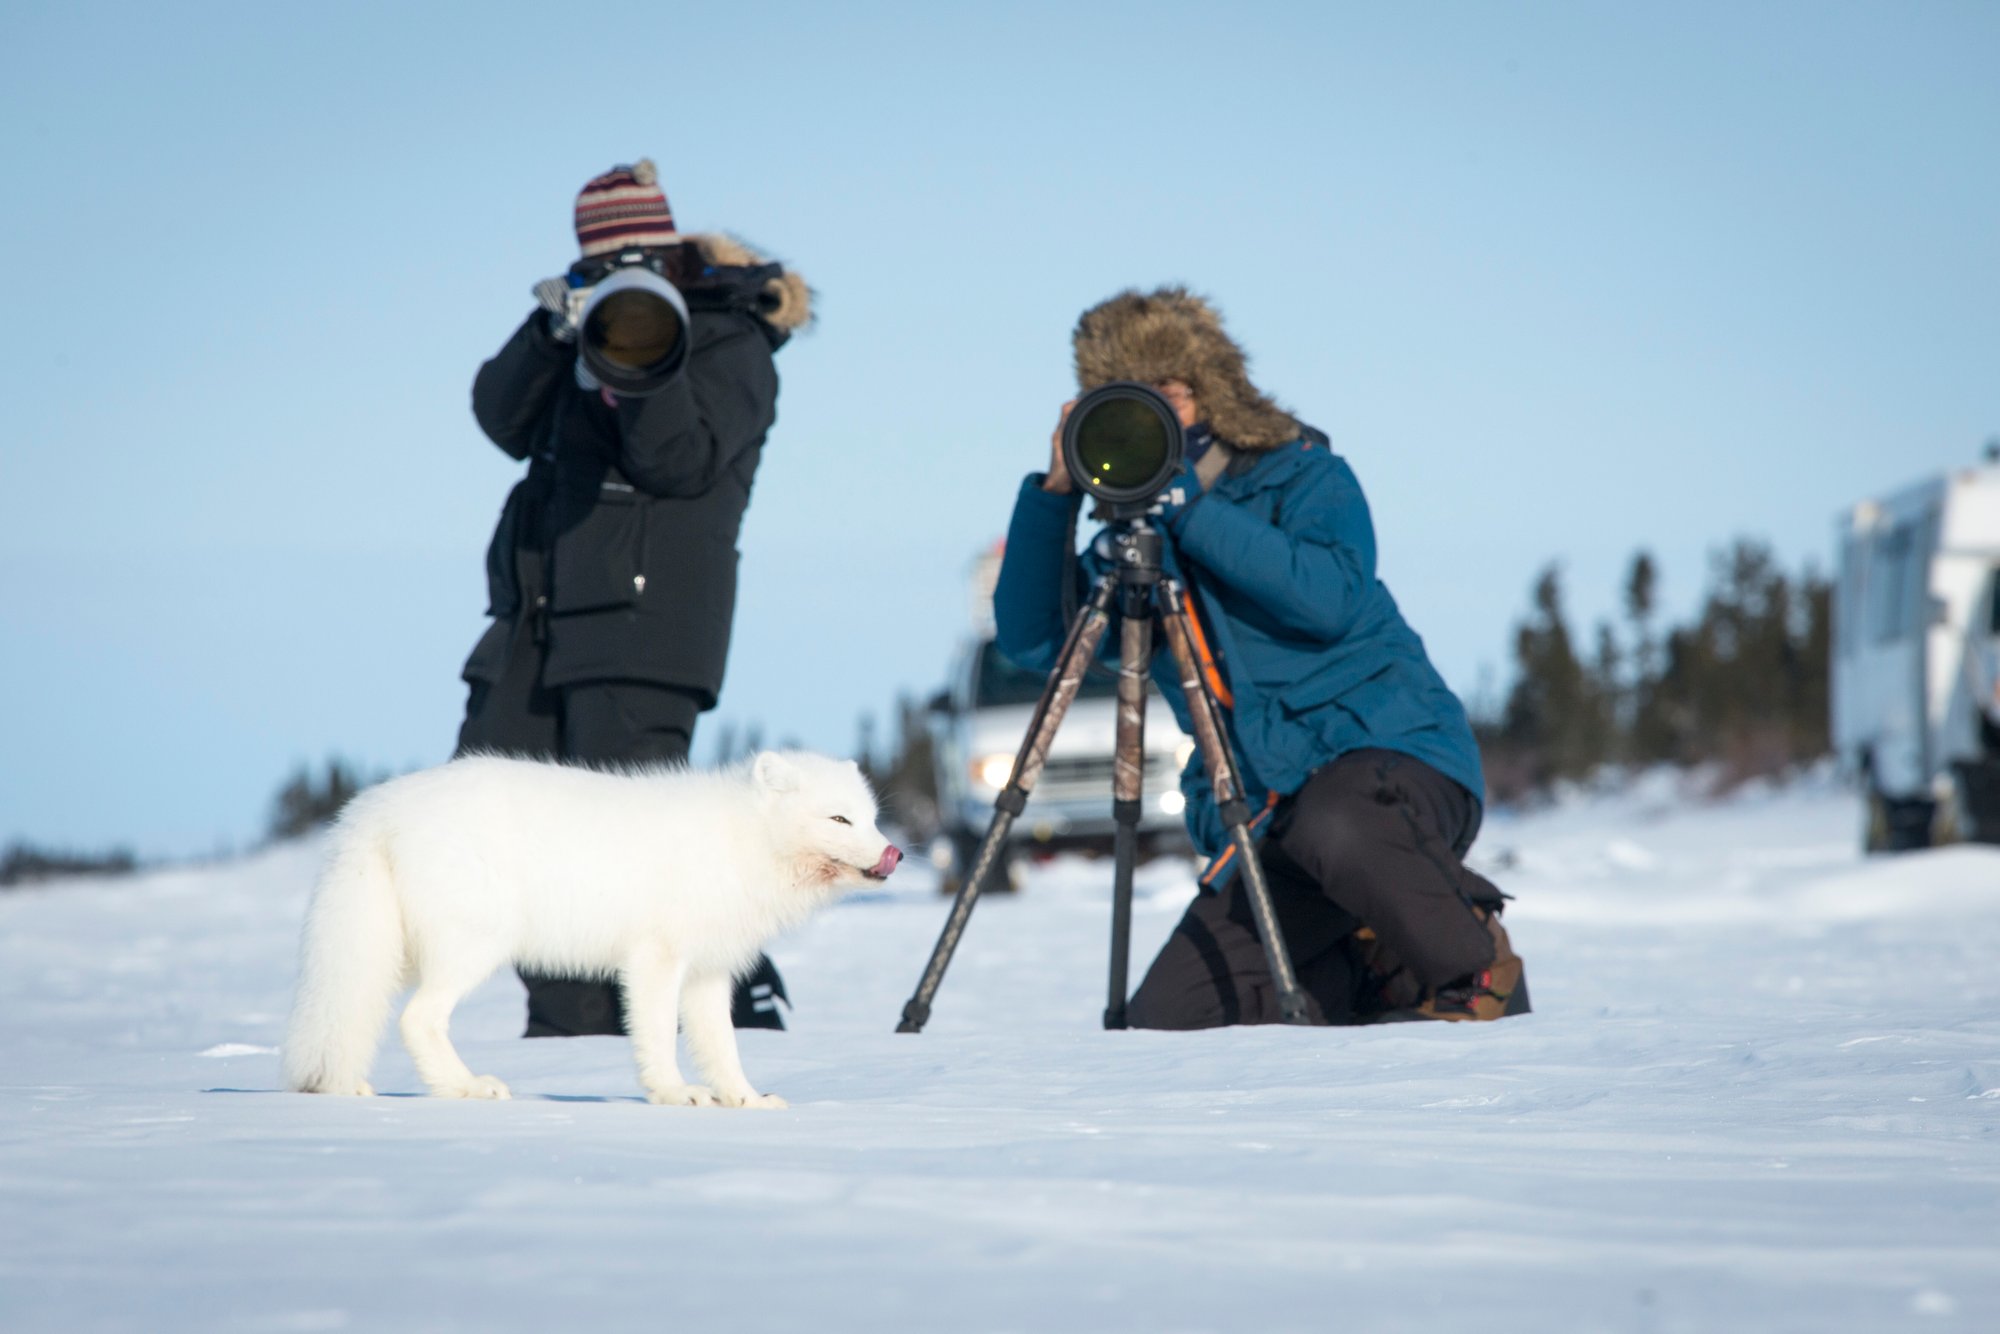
<point>1761,1091</point>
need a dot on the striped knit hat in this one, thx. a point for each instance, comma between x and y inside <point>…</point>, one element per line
<point>624,207</point>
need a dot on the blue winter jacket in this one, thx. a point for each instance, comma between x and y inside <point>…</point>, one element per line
<point>1280,553</point>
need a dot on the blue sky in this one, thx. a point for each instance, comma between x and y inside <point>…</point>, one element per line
<point>1560,280</point>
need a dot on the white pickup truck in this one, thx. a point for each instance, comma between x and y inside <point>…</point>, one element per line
<point>978,723</point>
<point>1916,659</point>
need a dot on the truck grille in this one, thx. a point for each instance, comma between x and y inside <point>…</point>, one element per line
<point>1095,772</point>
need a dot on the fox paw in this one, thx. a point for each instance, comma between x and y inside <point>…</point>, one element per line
<point>750,1098</point>
<point>681,1095</point>
<point>479,1086</point>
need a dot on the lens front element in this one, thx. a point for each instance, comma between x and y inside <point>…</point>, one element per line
<point>635,329</point>
<point>1122,442</point>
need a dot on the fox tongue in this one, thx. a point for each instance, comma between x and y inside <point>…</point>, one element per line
<point>890,856</point>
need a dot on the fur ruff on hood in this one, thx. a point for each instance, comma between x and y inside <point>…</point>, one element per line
<point>1171,334</point>
<point>791,300</point>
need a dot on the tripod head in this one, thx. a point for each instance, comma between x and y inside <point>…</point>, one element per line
<point>1132,546</point>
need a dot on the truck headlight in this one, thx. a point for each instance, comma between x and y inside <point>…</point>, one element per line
<point>1172,803</point>
<point>993,770</point>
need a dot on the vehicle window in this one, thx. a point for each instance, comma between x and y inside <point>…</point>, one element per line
<point>999,682</point>
<point>1888,584</point>
<point>1850,594</point>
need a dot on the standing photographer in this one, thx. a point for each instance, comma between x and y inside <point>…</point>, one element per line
<point>612,574</point>
<point>1358,754</point>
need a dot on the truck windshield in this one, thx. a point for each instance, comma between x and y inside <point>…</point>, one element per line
<point>999,682</point>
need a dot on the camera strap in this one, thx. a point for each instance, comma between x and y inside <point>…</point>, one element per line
<point>1072,600</point>
<point>1213,461</point>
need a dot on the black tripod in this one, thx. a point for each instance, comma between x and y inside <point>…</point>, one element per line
<point>1144,594</point>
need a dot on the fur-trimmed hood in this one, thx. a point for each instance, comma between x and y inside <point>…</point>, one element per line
<point>1172,334</point>
<point>788,300</point>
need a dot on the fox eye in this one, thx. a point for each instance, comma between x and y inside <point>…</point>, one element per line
<point>841,819</point>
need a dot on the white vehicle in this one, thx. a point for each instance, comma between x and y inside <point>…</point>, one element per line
<point>1916,659</point>
<point>979,722</point>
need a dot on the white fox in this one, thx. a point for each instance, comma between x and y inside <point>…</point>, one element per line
<point>669,879</point>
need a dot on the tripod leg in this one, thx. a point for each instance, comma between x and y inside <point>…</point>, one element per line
<point>1135,652</point>
<point>1064,680</point>
<point>1213,740</point>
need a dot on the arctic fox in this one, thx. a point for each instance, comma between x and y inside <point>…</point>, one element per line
<point>670,879</point>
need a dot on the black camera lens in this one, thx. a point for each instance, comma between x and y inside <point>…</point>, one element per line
<point>1122,442</point>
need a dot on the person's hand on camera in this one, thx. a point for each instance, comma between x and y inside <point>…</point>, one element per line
<point>1058,481</point>
<point>553,296</point>
<point>1172,505</point>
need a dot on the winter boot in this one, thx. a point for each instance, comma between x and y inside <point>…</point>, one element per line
<point>755,1004</point>
<point>1497,991</point>
<point>570,1007</point>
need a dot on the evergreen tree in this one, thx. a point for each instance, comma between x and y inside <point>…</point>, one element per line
<point>725,745</point>
<point>1812,722</point>
<point>23,863</point>
<point>1547,719</point>
<point>1741,695</point>
<point>907,781</point>
<point>1640,592</point>
<point>1743,686</point>
<point>864,750</point>
<point>1650,734</point>
<point>305,803</point>
<point>1604,718</point>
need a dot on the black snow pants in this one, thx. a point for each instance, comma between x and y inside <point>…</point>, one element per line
<point>604,722</point>
<point>1378,910</point>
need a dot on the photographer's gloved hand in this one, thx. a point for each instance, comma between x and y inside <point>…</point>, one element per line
<point>1172,506</point>
<point>553,295</point>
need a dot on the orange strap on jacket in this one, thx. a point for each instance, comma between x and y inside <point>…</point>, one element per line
<point>1215,868</point>
<point>1216,685</point>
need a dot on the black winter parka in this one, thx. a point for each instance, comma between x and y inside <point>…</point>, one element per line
<point>620,543</point>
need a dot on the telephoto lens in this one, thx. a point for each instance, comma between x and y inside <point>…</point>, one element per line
<point>1122,443</point>
<point>633,332</point>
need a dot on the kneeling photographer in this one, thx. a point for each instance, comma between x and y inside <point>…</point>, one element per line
<point>1357,756</point>
<point>639,393</point>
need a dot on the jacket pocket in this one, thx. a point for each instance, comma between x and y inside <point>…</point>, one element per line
<point>599,557</point>
<point>1384,705</point>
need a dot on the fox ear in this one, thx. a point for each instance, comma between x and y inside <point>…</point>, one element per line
<point>775,773</point>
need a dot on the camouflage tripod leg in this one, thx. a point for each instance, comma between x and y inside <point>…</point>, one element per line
<point>1128,768</point>
<point>1213,741</point>
<point>1085,633</point>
